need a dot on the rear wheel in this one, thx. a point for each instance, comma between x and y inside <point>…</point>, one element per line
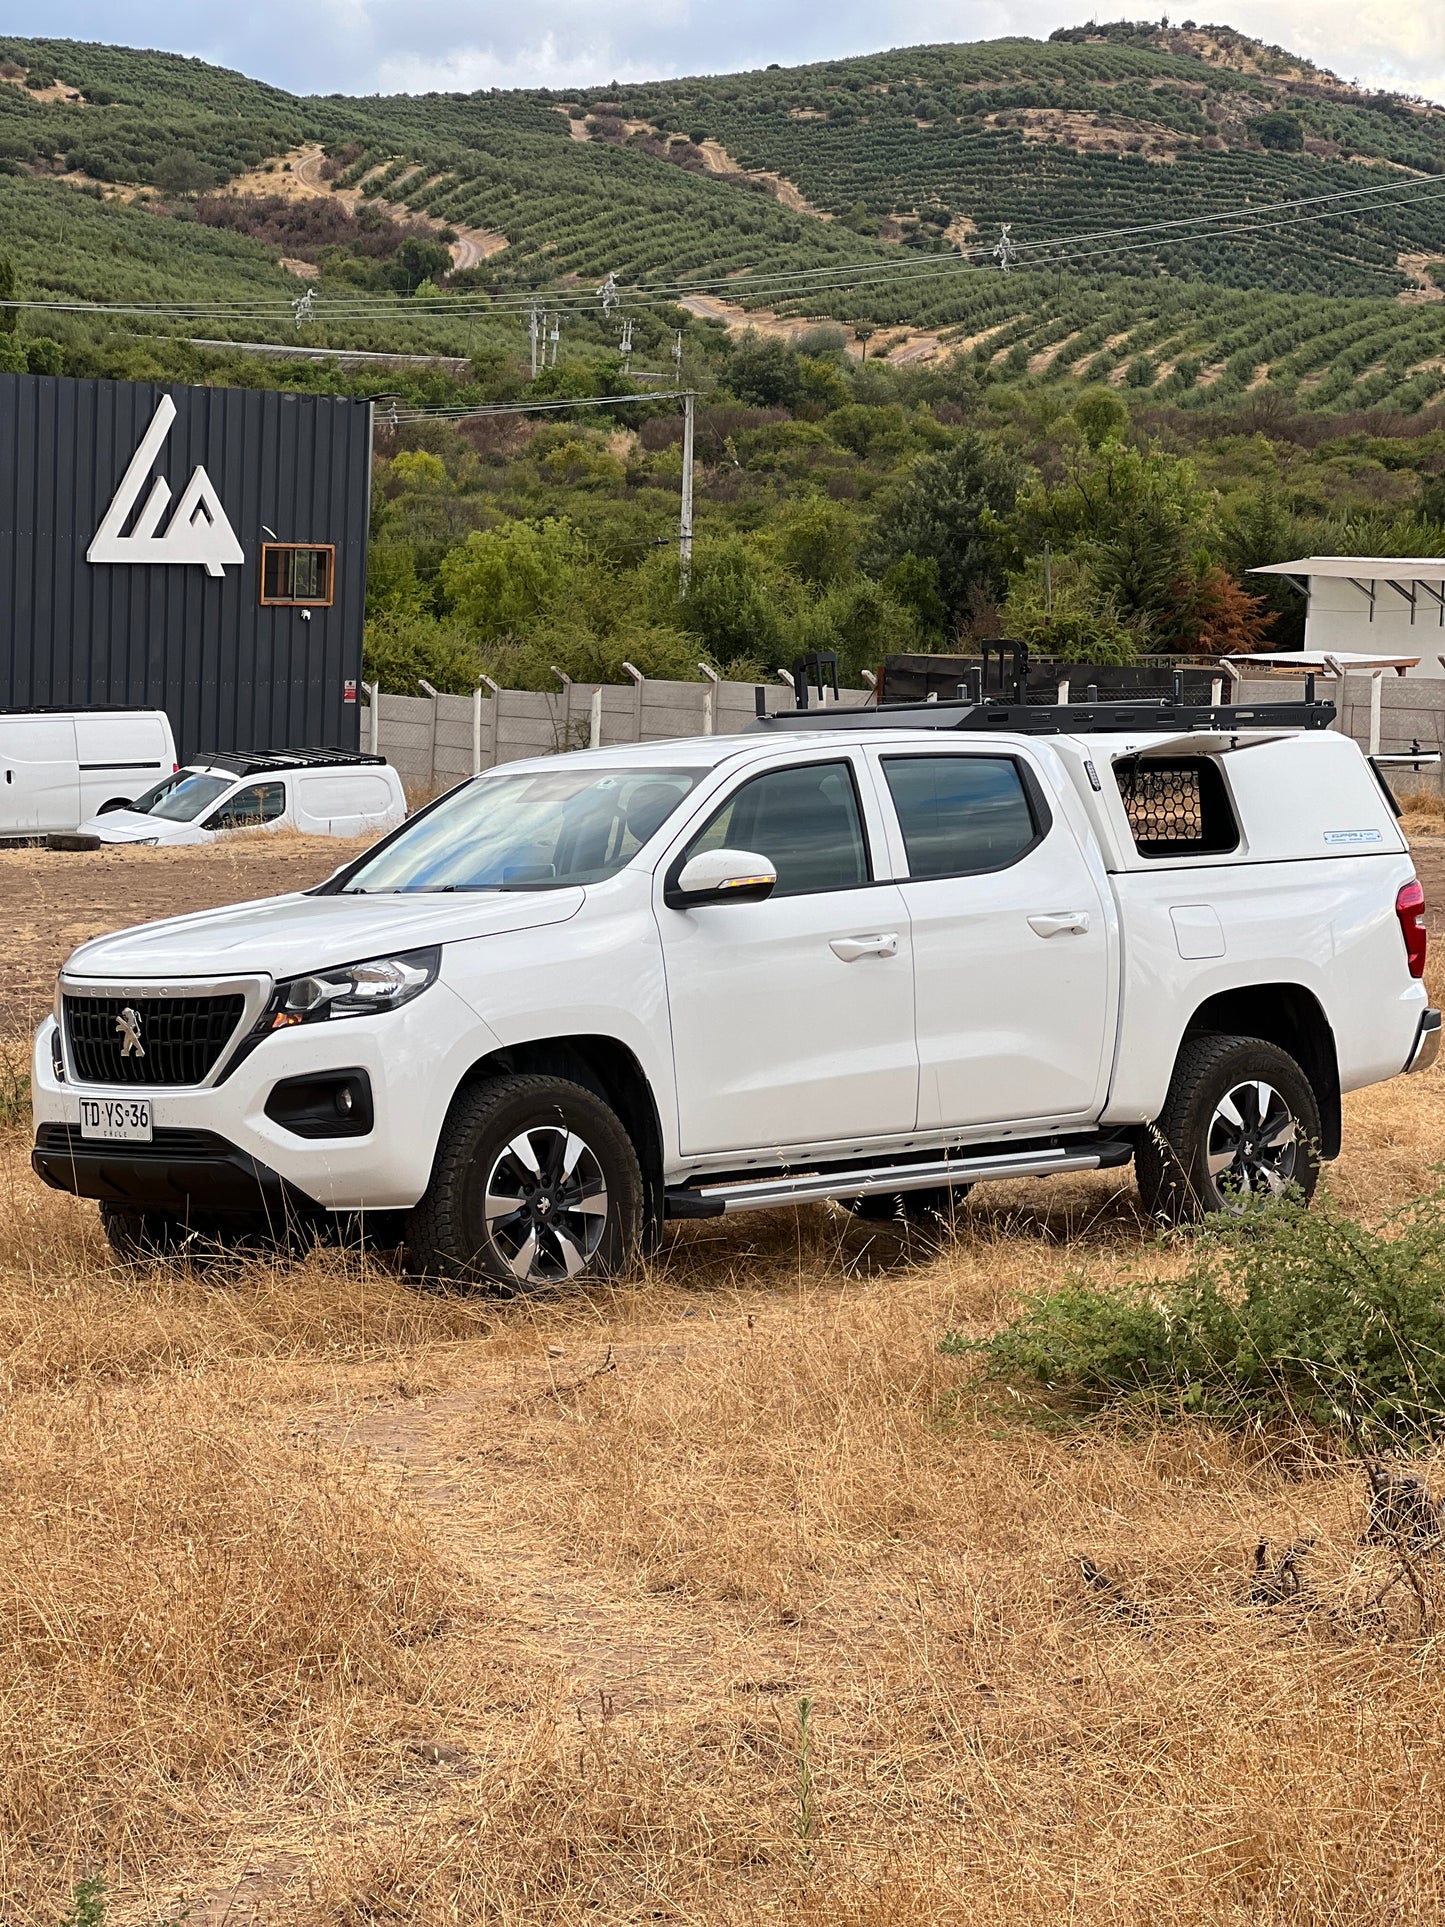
<point>1241,1123</point>
<point>535,1183</point>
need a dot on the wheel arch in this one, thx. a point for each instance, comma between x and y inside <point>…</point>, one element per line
<point>600,1064</point>
<point>1292,1018</point>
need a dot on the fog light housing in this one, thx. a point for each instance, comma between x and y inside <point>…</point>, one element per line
<point>324,1104</point>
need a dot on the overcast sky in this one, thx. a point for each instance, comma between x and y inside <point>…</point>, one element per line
<point>370,46</point>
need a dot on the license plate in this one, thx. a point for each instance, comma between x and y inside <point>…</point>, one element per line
<point>116,1120</point>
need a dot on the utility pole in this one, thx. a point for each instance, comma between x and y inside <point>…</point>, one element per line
<point>1005,252</point>
<point>627,347</point>
<point>684,526</point>
<point>677,354</point>
<point>611,300</point>
<point>534,333</point>
<point>554,337</point>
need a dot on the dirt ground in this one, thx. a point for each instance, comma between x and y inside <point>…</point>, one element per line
<point>720,1596</point>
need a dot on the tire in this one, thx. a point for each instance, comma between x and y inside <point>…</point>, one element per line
<point>934,1207</point>
<point>142,1237</point>
<point>535,1184</point>
<point>1210,1150</point>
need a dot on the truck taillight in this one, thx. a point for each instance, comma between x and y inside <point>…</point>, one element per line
<point>1410,909</point>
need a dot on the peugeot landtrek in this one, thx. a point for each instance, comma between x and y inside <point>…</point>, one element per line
<point>874,956</point>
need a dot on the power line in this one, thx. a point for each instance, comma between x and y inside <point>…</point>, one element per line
<point>791,284</point>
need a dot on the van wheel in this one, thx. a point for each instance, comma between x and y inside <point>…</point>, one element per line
<point>1241,1123</point>
<point>934,1207</point>
<point>535,1184</point>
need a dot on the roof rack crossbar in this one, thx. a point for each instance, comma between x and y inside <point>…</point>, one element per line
<point>1061,719</point>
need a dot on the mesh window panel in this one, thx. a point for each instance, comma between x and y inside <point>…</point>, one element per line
<point>1177,808</point>
<point>149,1040</point>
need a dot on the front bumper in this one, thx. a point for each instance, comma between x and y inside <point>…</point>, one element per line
<point>1427,1042</point>
<point>216,1147</point>
<point>181,1173</point>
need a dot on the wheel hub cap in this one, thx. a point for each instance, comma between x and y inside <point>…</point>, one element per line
<point>546,1205</point>
<point>1253,1143</point>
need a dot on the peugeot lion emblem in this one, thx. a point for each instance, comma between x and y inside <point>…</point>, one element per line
<point>127,1026</point>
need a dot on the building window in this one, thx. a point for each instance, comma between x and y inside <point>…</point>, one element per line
<point>298,572</point>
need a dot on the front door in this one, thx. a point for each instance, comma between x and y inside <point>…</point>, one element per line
<point>1011,944</point>
<point>792,1019</point>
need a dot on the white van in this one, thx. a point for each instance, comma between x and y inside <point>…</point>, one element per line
<point>321,792</point>
<point>58,767</point>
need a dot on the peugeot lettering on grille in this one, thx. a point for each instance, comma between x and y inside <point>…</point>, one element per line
<point>127,1027</point>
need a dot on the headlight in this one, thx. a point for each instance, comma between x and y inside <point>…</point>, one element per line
<point>351,990</point>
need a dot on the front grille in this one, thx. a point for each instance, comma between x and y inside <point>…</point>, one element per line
<point>180,1038</point>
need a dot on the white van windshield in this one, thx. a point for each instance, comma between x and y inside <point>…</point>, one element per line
<point>534,832</point>
<point>182,798</point>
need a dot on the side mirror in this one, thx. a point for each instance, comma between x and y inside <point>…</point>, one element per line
<point>721,876</point>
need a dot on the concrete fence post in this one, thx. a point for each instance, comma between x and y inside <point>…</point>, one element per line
<point>495,744</point>
<point>594,732</point>
<point>422,683</point>
<point>1376,694</point>
<point>709,700</point>
<point>477,730</point>
<point>563,739</point>
<point>637,681</point>
<point>373,705</point>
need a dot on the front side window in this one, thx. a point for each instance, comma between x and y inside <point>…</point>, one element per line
<point>537,831</point>
<point>805,821</point>
<point>298,572</point>
<point>183,797</point>
<point>257,803</point>
<point>960,815</point>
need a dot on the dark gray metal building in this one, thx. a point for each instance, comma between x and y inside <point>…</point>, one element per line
<point>198,550</point>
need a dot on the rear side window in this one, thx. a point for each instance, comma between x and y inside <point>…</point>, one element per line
<point>805,821</point>
<point>960,815</point>
<point>1177,806</point>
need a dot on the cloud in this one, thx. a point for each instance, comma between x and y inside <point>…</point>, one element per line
<point>370,46</point>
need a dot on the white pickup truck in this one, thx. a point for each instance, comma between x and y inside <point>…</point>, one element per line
<point>874,956</point>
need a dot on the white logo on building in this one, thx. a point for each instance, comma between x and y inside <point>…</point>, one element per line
<point>197,530</point>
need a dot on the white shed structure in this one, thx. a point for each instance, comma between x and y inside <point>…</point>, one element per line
<point>1372,605</point>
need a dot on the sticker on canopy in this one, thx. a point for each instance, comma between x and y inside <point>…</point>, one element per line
<point>1350,838</point>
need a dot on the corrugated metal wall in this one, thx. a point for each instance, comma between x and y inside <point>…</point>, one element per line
<point>230,673</point>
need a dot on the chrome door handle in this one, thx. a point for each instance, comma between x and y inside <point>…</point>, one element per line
<point>850,949</point>
<point>1058,921</point>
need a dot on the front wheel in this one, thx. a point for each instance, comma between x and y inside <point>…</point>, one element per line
<point>1241,1123</point>
<point>535,1183</point>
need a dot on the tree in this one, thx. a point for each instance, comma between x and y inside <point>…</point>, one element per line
<point>179,172</point>
<point>9,317</point>
<point>731,605</point>
<point>499,580</point>
<point>1099,414</point>
<point>947,510</point>
<point>817,540</point>
<point>1215,616</point>
<point>1280,131</point>
<point>44,356</point>
<point>763,370</point>
<point>416,261</point>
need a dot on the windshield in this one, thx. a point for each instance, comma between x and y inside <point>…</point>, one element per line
<point>532,832</point>
<point>181,798</point>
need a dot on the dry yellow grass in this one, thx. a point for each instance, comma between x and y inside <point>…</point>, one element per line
<point>333,1602</point>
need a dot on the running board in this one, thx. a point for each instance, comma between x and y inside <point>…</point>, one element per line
<point>758,1194</point>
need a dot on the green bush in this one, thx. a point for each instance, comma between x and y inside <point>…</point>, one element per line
<point>1286,1316</point>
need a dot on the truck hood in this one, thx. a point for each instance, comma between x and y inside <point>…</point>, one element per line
<point>288,936</point>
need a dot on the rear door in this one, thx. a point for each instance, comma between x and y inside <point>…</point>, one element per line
<point>39,783</point>
<point>1012,941</point>
<point>792,1019</point>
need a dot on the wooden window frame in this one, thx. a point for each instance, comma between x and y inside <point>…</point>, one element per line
<point>300,602</point>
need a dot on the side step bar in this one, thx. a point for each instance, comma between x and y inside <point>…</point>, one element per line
<point>758,1194</point>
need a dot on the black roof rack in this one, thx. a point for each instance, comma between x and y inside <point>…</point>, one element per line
<point>245,762</point>
<point>1056,719</point>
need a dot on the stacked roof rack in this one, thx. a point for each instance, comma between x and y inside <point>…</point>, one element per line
<point>244,762</point>
<point>1011,712</point>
